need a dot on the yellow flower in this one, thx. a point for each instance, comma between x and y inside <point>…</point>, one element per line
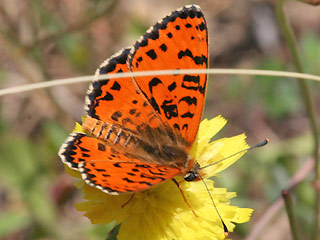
<point>161,212</point>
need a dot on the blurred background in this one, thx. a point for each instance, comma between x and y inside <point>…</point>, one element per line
<point>43,40</point>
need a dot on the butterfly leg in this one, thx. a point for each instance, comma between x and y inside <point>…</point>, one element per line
<point>184,197</point>
<point>127,202</point>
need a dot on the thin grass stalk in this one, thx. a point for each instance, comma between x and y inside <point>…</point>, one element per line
<point>290,212</point>
<point>215,71</point>
<point>291,42</point>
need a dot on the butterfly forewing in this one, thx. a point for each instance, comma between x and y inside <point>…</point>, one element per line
<point>179,41</point>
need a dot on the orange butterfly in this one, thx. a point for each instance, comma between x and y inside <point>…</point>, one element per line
<point>139,130</point>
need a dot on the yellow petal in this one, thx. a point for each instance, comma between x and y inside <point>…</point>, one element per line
<point>220,149</point>
<point>78,128</point>
<point>207,130</point>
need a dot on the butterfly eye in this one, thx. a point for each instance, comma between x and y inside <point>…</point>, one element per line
<point>190,176</point>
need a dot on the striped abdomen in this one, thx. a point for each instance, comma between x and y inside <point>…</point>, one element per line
<point>109,132</point>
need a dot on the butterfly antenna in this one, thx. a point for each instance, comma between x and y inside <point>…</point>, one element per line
<point>225,229</point>
<point>261,144</point>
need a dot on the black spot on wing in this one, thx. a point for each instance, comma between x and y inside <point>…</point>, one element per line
<point>163,47</point>
<point>132,111</point>
<point>117,165</point>
<point>101,147</point>
<point>125,121</point>
<point>156,173</point>
<point>170,109</point>
<point>82,148</point>
<point>108,189</point>
<point>172,86</point>
<point>142,166</point>
<point>154,35</point>
<point>116,115</point>
<point>151,177</point>
<point>116,86</point>
<point>185,126</point>
<point>145,103</point>
<point>202,26</point>
<point>191,82</point>
<point>128,180</point>
<point>107,97</point>
<point>146,183</point>
<point>90,176</point>
<point>154,105</point>
<point>152,54</point>
<point>153,83</point>
<point>199,60</point>
<point>176,126</point>
<point>189,100</point>
<point>187,115</point>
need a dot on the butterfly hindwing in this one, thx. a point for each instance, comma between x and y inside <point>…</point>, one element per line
<point>70,152</point>
<point>126,176</point>
<point>178,41</point>
<point>109,169</point>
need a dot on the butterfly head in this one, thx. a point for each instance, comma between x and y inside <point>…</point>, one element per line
<point>193,174</point>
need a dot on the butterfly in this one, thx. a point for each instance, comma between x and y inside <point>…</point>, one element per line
<point>138,131</point>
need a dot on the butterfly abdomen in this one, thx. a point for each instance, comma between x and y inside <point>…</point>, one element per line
<point>109,132</point>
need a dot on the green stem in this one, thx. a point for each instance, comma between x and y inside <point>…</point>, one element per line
<point>291,216</point>
<point>306,97</point>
